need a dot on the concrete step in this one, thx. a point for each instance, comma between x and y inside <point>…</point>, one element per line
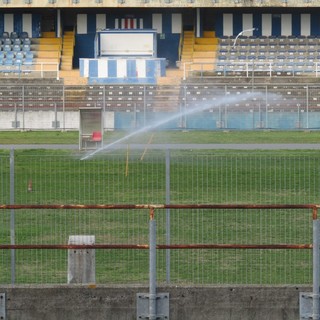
<point>204,54</point>
<point>46,47</point>
<point>206,41</point>
<point>202,67</point>
<point>67,59</point>
<point>50,41</point>
<point>188,41</point>
<point>45,54</point>
<point>204,60</point>
<point>209,34</point>
<point>48,34</point>
<point>46,65</point>
<point>205,47</point>
<point>72,77</point>
<point>66,66</point>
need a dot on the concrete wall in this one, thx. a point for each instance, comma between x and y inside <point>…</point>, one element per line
<point>119,303</point>
<point>43,120</point>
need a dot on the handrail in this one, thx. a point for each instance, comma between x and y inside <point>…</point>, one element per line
<point>247,67</point>
<point>152,208</point>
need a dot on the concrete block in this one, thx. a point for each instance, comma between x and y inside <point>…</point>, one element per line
<point>81,262</point>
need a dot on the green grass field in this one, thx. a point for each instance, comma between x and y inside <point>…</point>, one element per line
<point>72,137</point>
<point>196,176</point>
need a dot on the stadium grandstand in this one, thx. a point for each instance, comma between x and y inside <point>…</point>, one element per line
<point>144,44</point>
<point>222,36</point>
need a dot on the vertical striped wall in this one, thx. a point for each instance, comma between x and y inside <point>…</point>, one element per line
<point>18,22</point>
<point>163,23</point>
<point>269,24</point>
<point>122,70</point>
<point>90,23</point>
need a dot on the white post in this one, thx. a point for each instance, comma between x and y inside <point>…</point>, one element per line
<point>81,262</point>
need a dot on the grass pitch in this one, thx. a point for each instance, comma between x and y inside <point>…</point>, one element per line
<point>198,176</point>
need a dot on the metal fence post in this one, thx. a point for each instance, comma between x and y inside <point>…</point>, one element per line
<point>184,118</point>
<point>168,232</point>
<point>307,105</point>
<point>23,110</point>
<point>310,301</point>
<point>63,108</point>
<point>266,119</point>
<point>12,218</point>
<point>225,110</point>
<point>151,305</point>
<point>144,106</point>
<point>104,108</point>
<point>152,270</point>
<point>316,260</point>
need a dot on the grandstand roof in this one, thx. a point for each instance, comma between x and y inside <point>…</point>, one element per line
<point>54,4</point>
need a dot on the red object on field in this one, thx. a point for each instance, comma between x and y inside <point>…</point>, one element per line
<point>96,136</point>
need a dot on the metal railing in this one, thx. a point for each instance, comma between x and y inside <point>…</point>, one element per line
<point>249,69</point>
<point>140,105</point>
<point>32,70</point>
<point>311,311</point>
<point>166,239</point>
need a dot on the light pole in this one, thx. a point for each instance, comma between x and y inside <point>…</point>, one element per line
<point>240,33</point>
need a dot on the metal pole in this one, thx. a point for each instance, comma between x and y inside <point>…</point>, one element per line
<point>104,108</point>
<point>144,106</point>
<point>135,116</point>
<point>55,117</point>
<point>64,108</point>
<point>168,232</point>
<point>316,274</point>
<point>58,75</point>
<point>307,104</point>
<point>225,112</point>
<point>266,120</point>
<point>15,116</point>
<point>12,218</point>
<point>152,269</point>
<point>184,122</point>
<point>23,92</point>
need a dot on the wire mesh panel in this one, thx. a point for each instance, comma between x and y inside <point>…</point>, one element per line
<point>241,265</point>
<point>255,177</point>
<point>51,227</point>
<point>5,225</point>
<point>158,177</point>
<point>205,106</point>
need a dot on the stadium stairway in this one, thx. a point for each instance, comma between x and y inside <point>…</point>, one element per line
<point>199,51</point>
<point>72,77</point>
<point>47,51</point>
<point>67,51</point>
<point>173,77</point>
<point>47,48</point>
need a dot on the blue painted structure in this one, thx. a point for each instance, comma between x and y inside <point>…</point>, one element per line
<point>114,70</point>
<point>211,121</point>
<point>167,27</point>
<point>18,22</point>
<point>124,56</point>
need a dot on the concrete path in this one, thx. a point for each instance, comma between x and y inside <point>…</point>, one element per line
<point>174,146</point>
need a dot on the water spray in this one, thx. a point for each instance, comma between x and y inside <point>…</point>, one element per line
<point>225,100</point>
<point>127,161</point>
<point>145,150</point>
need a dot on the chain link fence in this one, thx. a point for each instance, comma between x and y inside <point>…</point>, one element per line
<point>160,177</point>
<point>259,106</point>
